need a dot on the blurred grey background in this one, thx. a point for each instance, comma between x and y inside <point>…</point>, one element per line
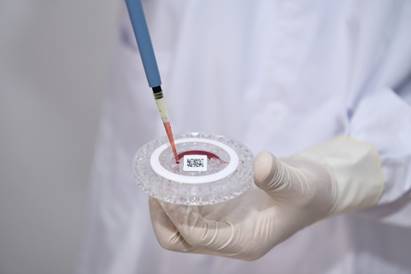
<point>54,61</point>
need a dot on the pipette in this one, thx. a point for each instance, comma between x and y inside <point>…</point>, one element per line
<point>138,22</point>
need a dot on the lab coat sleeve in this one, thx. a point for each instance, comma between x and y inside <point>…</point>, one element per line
<point>380,108</point>
<point>384,120</point>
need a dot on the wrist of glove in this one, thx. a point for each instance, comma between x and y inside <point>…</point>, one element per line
<point>292,193</point>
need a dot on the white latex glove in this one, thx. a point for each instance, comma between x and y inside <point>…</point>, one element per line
<point>293,193</point>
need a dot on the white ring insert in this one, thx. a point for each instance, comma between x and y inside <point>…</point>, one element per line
<point>160,170</point>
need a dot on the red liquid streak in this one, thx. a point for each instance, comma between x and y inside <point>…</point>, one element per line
<point>209,155</point>
<point>170,137</point>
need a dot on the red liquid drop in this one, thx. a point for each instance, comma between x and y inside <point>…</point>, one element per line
<point>209,155</point>
<point>170,137</point>
<point>179,156</point>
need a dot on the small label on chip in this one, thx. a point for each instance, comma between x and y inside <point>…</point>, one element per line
<point>195,163</point>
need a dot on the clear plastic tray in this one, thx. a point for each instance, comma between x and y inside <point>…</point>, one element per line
<point>229,171</point>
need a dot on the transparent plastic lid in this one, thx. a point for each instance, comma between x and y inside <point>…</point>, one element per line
<point>211,169</point>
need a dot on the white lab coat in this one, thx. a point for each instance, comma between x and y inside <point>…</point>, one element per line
<point>275,75</point>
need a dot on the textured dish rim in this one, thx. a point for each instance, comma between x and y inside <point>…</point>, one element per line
<point>194,194</point>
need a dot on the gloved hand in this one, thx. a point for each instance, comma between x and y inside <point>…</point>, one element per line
<point>293,193</point>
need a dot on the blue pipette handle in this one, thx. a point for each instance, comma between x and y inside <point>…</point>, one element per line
<point>145,47</point>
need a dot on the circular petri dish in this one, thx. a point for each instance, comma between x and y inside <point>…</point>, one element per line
<point>211,169</point>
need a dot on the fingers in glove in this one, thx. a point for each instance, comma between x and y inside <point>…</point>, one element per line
<point>277,177</point>
<point>207,236</point>
<point>167,234</point>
